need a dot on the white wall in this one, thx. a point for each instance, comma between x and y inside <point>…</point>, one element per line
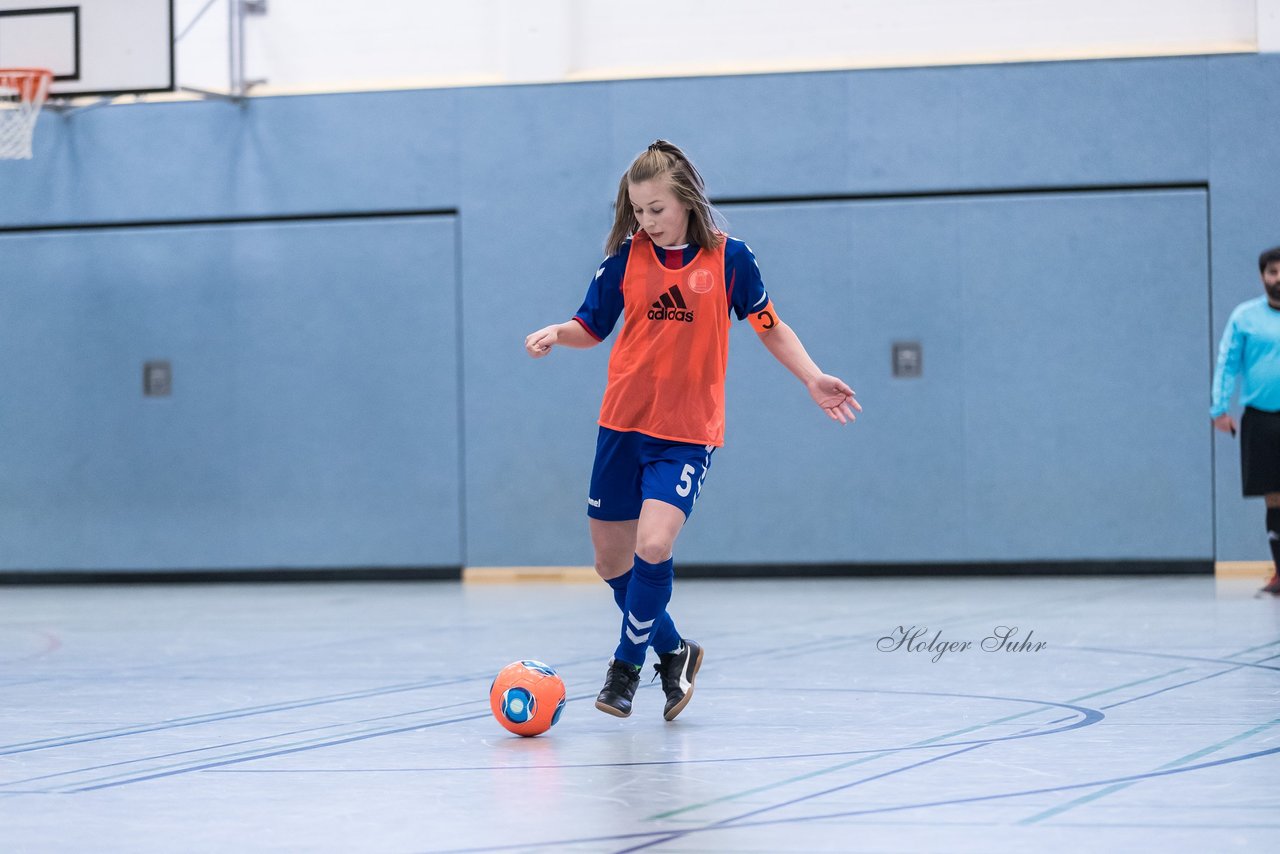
<point>1269,25</point>
<point>327,45</point>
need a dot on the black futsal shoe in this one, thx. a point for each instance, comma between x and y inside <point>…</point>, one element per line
<point>677,670</point>
<point>1273,586</point>
<point>619,687</point>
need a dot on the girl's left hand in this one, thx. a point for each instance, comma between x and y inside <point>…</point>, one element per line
<point>835,397</point>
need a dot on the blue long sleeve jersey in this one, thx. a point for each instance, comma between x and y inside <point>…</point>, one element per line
<point>1250,349</point>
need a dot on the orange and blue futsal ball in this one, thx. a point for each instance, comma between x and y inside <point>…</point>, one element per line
<point>527,697</point>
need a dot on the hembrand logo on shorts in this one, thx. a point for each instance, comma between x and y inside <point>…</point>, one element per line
<point>671,306</point>
<point>594,502</point>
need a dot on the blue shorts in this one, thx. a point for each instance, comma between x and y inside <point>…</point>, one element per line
<point>631,467</point>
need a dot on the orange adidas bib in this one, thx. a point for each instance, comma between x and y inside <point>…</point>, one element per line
<point>666,372</point>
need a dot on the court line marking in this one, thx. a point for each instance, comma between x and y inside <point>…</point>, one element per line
<point>52,643</point>
<point>672,836</point>
<point>5,786</point>
<point>925,743</point>
<point>1049,813</point>
<point>756,790</point>
<point>249,711</point>
<point>113,782</point>
<point>1227,660</point>
<point>677,834</point>
<point>268,754</point>
<point>1181,657</point>
<point>1090,695</point>
<point>1088,718</point>
<point>1205,751</point>
<point>623,837</point>
<point>248,756</point>
<point>288,705</point>
<point>1184,684</point>
<point>878,750</point>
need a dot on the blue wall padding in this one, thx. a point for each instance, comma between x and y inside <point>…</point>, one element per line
<point>1064,239</point>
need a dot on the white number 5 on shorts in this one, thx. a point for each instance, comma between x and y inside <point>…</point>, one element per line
<point>686,481</point>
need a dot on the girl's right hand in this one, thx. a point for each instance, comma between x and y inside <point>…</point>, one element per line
<point>540,343</point>
<point>1225,423</point>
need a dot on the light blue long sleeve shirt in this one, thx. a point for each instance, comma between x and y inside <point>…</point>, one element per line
<point>1250,349</point>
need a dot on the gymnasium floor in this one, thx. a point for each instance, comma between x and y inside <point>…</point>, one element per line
<point>353,717</point>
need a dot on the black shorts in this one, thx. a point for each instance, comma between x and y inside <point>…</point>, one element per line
<point>1260,451</point>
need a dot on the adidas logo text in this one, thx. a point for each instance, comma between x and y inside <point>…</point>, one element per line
<point>671,306</point>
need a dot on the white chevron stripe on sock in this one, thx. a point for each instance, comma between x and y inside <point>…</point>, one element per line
<point>635,638</point>
<point>639,625</point>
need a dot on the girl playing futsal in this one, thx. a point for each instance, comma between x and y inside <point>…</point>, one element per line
<point>675,277</point>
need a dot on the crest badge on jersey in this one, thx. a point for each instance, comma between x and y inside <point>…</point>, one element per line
<point>701,281</point>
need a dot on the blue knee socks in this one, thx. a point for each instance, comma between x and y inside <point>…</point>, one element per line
<point>665,637</point>
<point>643,594</point>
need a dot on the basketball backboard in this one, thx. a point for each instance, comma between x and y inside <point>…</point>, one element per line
<point>93,47</point>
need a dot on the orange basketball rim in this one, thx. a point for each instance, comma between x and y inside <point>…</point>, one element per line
<point>22,93</point>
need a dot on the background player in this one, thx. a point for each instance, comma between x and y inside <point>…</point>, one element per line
<point>675,277</point>
<point>1250,349</point>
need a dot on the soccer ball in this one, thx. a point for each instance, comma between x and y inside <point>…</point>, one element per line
<point>527,697</point>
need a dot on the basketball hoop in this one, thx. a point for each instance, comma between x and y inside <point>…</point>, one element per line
<point>22,94</point>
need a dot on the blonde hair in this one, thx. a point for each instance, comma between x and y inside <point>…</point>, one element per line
<point>663,159</point>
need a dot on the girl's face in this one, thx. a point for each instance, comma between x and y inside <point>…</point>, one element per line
<point>659,212</point>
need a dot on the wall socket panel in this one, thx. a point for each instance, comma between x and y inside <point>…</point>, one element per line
<point>908,359</point>
<point>157,379</point>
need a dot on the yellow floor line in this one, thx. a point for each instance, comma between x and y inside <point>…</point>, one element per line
<point>1244,569</point>
<point>510,574</point>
